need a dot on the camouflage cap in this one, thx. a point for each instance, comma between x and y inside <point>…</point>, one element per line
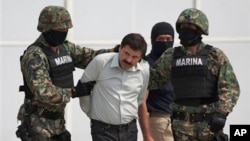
<point>193,16</point>
<point>54,17</point>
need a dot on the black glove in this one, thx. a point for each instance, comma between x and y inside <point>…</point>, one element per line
<point>83,89</point>
<point>217,122</point>
<point>116,48</point>
<point>220,137</point>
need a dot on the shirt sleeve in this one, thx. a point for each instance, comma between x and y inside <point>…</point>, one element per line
<point>91,71</point>
<point>142,94</point>
<point>89,74</point>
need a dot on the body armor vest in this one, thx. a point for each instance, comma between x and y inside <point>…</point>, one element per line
<point>61,69</point>
<point>192,79</point>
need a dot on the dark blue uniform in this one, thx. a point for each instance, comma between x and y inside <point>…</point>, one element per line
<point>159,100</point>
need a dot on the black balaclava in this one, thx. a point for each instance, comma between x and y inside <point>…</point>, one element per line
<point>159,47</point>
<point>55,38</point>
<point>189,37</point>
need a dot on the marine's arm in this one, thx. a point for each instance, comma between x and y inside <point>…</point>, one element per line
<point>82,55</point>
<point>228,86</point>
<point>160,74</point>
<point>228,90</point>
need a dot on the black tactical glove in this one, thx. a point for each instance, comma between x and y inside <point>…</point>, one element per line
<point>220,137</point>
<point>116,48</point>
<point>83,89</point>
<point>217,122</point>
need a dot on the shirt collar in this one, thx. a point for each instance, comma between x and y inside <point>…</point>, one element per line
<point>115,63</point>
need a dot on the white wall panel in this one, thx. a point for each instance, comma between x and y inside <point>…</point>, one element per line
<point>102,24</point>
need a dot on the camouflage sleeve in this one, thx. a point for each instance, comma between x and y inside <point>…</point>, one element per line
<point>228,86</point>
<point>82,55</point>
<point>161,73</point>
<point>35,68</point>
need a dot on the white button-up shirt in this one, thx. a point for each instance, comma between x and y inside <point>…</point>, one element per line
<point>117,92</point>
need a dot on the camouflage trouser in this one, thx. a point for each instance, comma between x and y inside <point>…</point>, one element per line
<point>40,138</point>
<point>191,131</point>
<point>65,136</point>
<point>179,136</point>
<point>39,128</point>
<point>195,129</point>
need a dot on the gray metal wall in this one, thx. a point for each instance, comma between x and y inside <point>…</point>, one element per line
<point>102,24</point>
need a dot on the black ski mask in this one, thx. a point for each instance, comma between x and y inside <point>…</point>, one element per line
<point>55,38</point>
<point>158,47</point>
<point>189,37</point>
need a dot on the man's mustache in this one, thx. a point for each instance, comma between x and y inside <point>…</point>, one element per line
<point>127,62</point>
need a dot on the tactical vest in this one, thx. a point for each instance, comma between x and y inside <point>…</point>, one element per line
<point>192,79</point>
<point>61,69</point>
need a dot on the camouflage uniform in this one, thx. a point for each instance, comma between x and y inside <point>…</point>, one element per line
<point>35,68</point>
<point>218,64</point>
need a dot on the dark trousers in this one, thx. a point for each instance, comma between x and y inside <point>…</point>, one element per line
<point>101,131</point>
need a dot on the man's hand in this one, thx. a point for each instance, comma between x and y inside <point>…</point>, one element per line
<point>217,122</point>
<point>82,89</point>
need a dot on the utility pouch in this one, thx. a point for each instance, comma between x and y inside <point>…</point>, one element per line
<point>65,136</point>
<point>23,133</point>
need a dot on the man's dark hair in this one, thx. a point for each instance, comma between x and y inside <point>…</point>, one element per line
<point>136,42</point>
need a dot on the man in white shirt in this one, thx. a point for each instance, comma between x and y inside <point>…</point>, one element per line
<point>121,83</point>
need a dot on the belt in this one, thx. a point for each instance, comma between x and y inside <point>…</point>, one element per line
<point>53,115</point>
<point>157,114</point>
<point>113,126</point>
<point>192,117</point>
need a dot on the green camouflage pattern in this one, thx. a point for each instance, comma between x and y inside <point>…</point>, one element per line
<point>228,91</point>
<point>193,16</point>
<point>194,131</point>
<point>54,17</point>
<point>202,134</point>
<point>35,68</point>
